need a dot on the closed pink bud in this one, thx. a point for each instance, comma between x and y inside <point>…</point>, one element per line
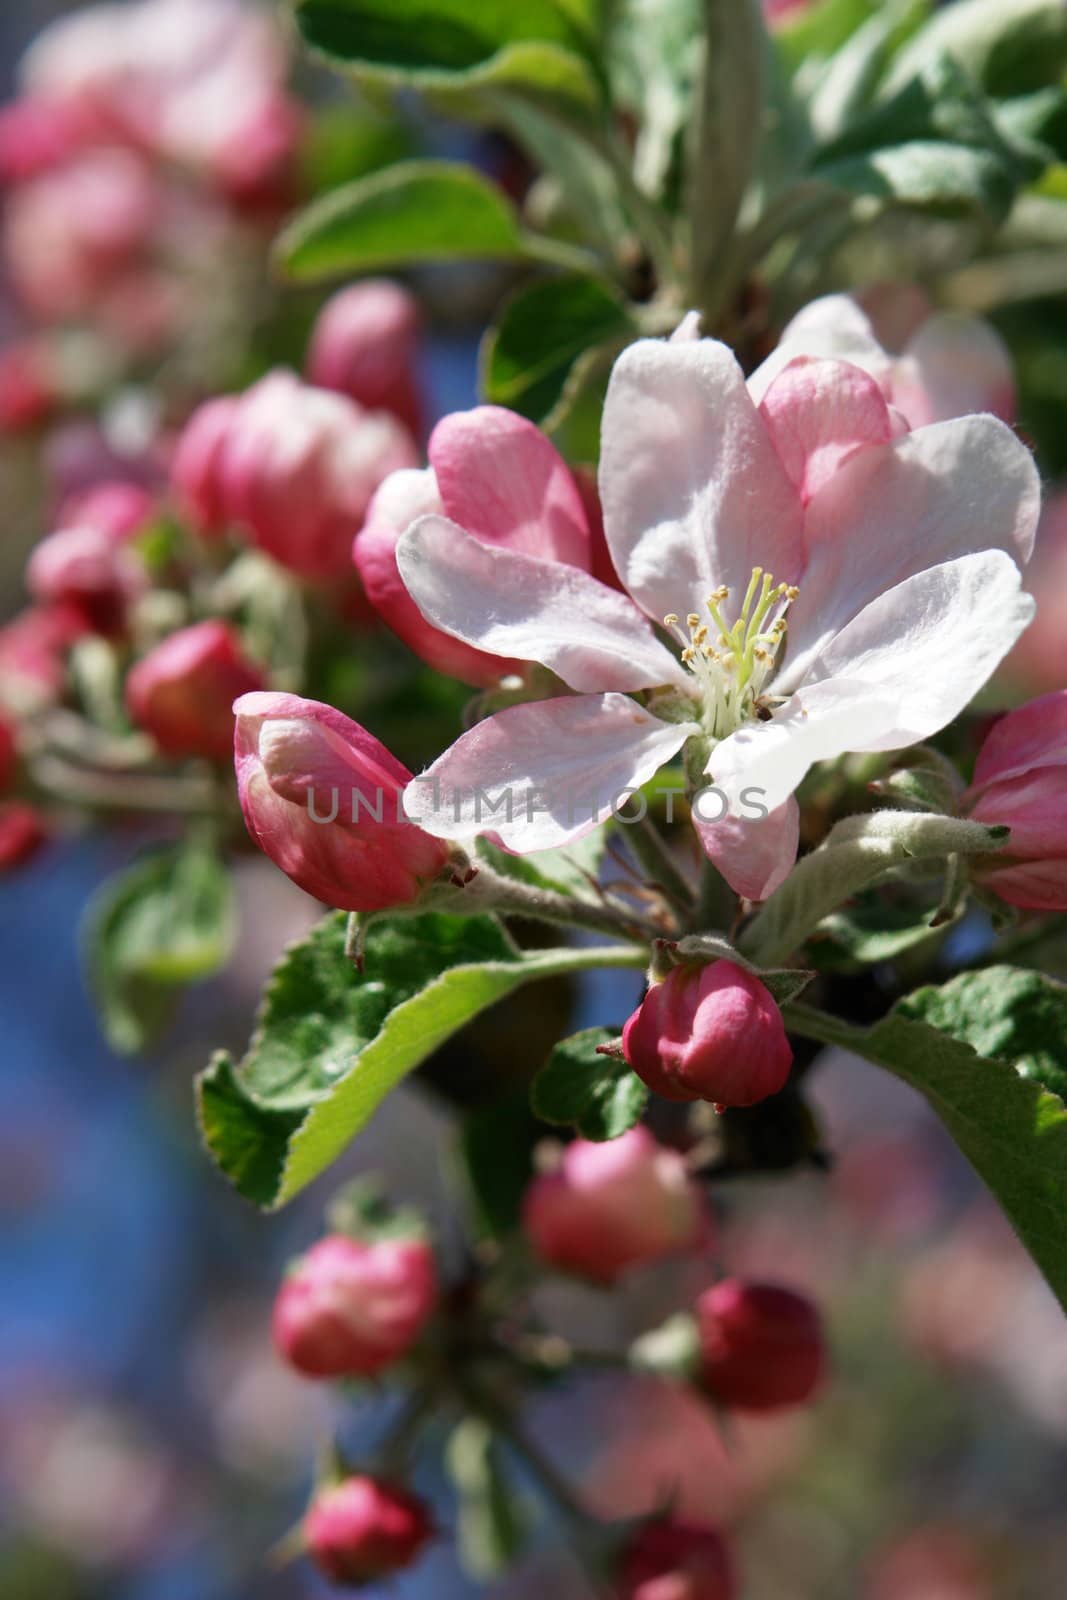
<point>85,570</point>
<point>9,750</point>
<point>1019,782</point>
<point>27,386</point>
<point>365,345</point>
<point>121,510</point>
<point>672,1560</point>
<point>762,1346</point>
<point>22,833</point>
<point>364,1529</point>
<point>709,1033</point>
<point>291,466</point>
<point>350,1309</point>
<point>33,649</point>
<point>613,1206</point>
<point>322,798</point>
<point>195,469</point>
<point>182,691</point>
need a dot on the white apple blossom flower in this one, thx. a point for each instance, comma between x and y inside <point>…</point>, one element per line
<point>832,582</point>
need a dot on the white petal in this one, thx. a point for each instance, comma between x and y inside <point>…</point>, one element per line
<point>516,605</point>
<point>894,510</point>
<point>693,492</point>
<point>538,775</point>
<point>955,365</point>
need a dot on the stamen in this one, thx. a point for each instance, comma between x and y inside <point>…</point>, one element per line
<point>732,672</point>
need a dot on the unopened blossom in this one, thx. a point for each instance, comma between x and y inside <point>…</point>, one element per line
<point>199,83</point>
<point>33,649</point>
<point>804,577</point>
<point>351,1308</point>
<point>28,390</point>
<point>761,1346</point>
<point>365,344</point>
<point>182,692</point>
<point>77,235</point>
<point>1039,660</point>
<point>116,507</point>
<point>322,798</point>
<point>364,1529</point>
<point>930,365</point>
<point>9,748</point>
<point>291,467</point>
<point>709,1032</point>
<point>23,831</point>
<point>671,1559</point>
<point>612,1206</point>
<point>1020,782</point>
<point>84,570</point>
<point>504,481</point>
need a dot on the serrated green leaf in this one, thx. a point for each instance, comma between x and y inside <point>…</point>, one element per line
<point>331,1043</point>
<point>413,212</point>
<point>854,855</point>
<point>528,354</point>
<point>541,48</point>
<point>1009,1124</point>
<point>165,922</point>
<point>598,1095</point>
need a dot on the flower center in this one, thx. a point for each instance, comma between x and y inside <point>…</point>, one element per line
<point>732,662</point>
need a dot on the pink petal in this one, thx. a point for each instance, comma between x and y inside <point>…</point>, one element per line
<point>505,482</point>
<point>1032,886</point>
<point>1033,735</point>
<point>954,365</point>
<point>539,775</point>
<point>835,328</point>
<point>820,412</point>
<point>693,492</point>
<point>754,854</point>
<point>503,601</point>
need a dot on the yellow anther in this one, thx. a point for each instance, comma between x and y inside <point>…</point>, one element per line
<point>671,619</point>
<point>689,655</point>
<point>792,593</point>
<point>692,619</point>
<point>699,634</point>
<point>717,596</point>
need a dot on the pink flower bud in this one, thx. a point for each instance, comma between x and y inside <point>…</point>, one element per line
<point>292,467</point>
<point>182,691</point>
<point>761,1346</point>
<point>85,570</point>
<point>1019,783</point>
<point>8,753</point>
<point>672,1560</point>
<point>33,649</point>
<point>350,1309</point>
<point>365,345</point>
<point>27,386</point>
<point>322,798</point>
<point>709,1033</point>
<point>36,134</point>
<point>121,510</point>
<point>363,1529</point>
<point>22,833</point>
<point>613,1206</point>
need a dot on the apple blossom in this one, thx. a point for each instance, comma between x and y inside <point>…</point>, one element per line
<point>351,1308</point>
<point>22,833</point>
<point>833,584</point>
<point>498,475</point>
<point>118,508</point>
<point>84,570</point>
<point>613,1206</point>
<point>291,466</point>
<point>1019,781</point>
<point>365,345</point>
<point>709,1032</point>
<point>761,1346</point>
<point>363,1529</point>
<point>669,1559</point>
<point>33,647</point>
<point>322,798</point>
<point>182,691</point>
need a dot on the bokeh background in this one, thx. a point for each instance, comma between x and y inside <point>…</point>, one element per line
<point>153,1448</point>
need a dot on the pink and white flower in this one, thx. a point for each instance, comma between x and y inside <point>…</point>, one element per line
<point>835,583</point>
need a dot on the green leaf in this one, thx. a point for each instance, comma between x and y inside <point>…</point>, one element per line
<point>598,1095</point>
<point>855,853</point>
<point>996,1105</point>
<point>529,353</point>
<point>496,1150</point>
<point>491,1531</point>
<point>331,1043</point>
<point>414,211</point>
<point>925,781</point>
<point>539,48</point>
<point>1008,46</point>
<point>870,933</point>
<point>822,28</point>
<point>567,870</point>
<point>166,921</point>
<point>363,1211</point>
<point>934,146</point>
<point>654,67</point>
